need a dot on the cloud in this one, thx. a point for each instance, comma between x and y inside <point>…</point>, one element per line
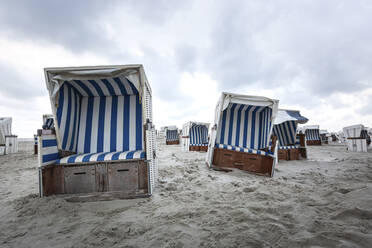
<point>311,55</point>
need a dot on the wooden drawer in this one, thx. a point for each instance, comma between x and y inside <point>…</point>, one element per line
<point>123,176</point>
<point>80,179</point>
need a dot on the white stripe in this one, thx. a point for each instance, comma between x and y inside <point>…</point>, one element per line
<point>95,120</point>
<point>126,85</point>
<point>94,157</point>
<point>62,127</point>
<point>123,155</point>
<point>83,119</point>
<point>227,125</point>
<point>77,123</point>
<point>235,118</point>
<point>132,123</point>
<point>69,137</point>
<point>242,124</point>
<point>115,86</point>
<point>103,87</point>
<point>108,156</point>
<point>49,150</point>
<point>78,88</point>
<point>91,87</point>
<point>137,154</point>
<point>107,128</point>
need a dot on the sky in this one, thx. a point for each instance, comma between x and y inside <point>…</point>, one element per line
<point>312,55</point>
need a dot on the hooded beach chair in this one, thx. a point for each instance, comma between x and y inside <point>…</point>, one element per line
<point>312,135</point>
<point>285,129</point>
<point>356,138</point>
<point>172,136</point>
<point>8,141</point>
<point>104,139</point>
<point>195,136</point>
<point>241,134</point>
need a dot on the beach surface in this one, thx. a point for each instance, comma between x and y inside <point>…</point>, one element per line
<point>324,201</point>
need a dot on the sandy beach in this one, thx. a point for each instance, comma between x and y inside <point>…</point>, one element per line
<point>325,201</point>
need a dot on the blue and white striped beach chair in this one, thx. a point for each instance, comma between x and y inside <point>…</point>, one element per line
<point>105,140</point>
<point>172,136</point>
<point>195,136</point>
<point>240,137</point>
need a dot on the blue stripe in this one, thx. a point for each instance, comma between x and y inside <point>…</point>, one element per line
<point>72,159</point>
<point>223,124</point>
<point>138,124</point>
<point>50,157</point>
<point>116,156</point>
<point>245,134</point>
<point>121,86</point>
<point>126,124</point>
<point>130,155</point>
<point>60,105</point>
<point>86,158</point>
<point>84,87</point>
<point>96,86</point>
<point>101,123</point>
<point>114,121</point>
<point>253,129</point>
<point>68,119</point>
<point>49,143</point>
<point>109,87</point>
<point>102,156</point>
<point>132,86</point>
<point>88,130</point>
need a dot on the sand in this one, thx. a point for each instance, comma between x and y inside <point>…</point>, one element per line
<point>325,201</point>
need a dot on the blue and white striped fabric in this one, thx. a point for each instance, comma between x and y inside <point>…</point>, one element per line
<point>101,157</point>
<point>93,118</point>
<point>245,126</point>
<point>49,123</point>
<point>288,147</point>
<point>312,134</point>
<point>172,135</point>
<point>242,149</point>
<point>286,132</point>
<point>198,135</point>
<point>49,151</point>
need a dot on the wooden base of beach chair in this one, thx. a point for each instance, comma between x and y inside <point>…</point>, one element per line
<point>173,142</point>
<point>35,149</point>
<point>126,178</point>
<point>313,142</point>
<point>198,148</point>
<point>294,154</point>
<point>283,154</point>
<point>254,163</point>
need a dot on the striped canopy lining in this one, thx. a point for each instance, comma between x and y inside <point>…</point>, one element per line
<point>198,135</point>
<point>172,135</point>
<point>48,124</point>
<point>312,134</point>
<point>247,150</point>
<point>245,126</point>
<point>100,116</point>
<point>286,132</point>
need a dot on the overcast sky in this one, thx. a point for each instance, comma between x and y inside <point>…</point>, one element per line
<point>314,56</point>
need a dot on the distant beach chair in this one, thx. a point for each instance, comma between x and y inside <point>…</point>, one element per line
<point>104,138</point>
<point>8,141</point>
<point>291,144</point>
<point>241,134</point>
<point>312,135</point>
<point>195,136</point>
<point>172,136</point>
<point>357,138</point>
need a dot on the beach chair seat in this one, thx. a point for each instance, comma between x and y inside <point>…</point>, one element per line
<point>102,157</point>
<point>246,150</point>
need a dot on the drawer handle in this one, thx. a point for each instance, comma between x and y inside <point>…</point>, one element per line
<point>120,170</point>
<point>252,158</point>
<point>80,173</point>
<point>228,155</point>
